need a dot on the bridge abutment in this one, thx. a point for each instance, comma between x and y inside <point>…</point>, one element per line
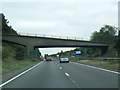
<point>30,47</point>
<point>104,50</point>
<point>31,50</point>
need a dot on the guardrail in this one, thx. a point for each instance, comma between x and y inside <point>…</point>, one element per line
<point>53,36</point>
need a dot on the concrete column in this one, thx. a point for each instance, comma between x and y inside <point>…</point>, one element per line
<point>104,50</point>
<point>85,50</point>
<point>30,48</point>
<point>31,51</point>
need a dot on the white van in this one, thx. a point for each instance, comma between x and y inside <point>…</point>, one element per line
<point>64,59</point>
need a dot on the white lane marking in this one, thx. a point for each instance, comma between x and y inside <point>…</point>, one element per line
<point>67,74</point>
<point>60,67</point>
<point>74,81</point>
<point>19,75</point>
<point>97,68</point>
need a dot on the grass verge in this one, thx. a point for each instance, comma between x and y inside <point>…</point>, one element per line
<point>109,64</point>
<point>11,64</point>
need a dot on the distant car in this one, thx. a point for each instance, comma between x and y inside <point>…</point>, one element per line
<point>64,60</point>
<point>48,59</point>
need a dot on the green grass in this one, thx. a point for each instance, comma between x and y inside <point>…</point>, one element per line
<point>10,60</point>
<point>11,64</point>
<point>113,64</point>
<point>0,68</point>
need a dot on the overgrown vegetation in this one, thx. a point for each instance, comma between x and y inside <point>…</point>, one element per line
<point>15,57</point>
<point>106,34</point>
<point>12,50</point>
<point>11,64</point>
<point>5,28</point>
<point>109,64</point>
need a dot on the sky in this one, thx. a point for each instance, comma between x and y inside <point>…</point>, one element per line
<point>72,18</point>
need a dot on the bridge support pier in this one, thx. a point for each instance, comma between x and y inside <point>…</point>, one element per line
<point>104,50</point>
<point>31,51</point>
<point>30,47</point>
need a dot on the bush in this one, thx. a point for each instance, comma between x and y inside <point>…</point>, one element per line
<point>20,53</point>
<point>5,53</point>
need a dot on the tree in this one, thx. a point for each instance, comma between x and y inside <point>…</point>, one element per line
<point>105,34</point>
<point>21,53</point>
<point>5,28</point>
<point>5,53</point>
<point>117,45</point>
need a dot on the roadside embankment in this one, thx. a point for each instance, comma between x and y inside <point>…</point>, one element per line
<point>112,64</point>
<point>13,67</point>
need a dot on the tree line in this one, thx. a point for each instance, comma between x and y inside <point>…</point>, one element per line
<point>106,34</point>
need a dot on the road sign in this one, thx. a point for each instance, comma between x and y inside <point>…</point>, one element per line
<point>33,53</point>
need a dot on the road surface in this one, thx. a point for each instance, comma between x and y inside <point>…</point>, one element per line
<point>52,74</point>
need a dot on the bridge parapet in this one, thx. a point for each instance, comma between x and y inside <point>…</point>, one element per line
<point>53,36</point>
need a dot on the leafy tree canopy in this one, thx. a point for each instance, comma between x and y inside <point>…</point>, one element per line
<point>5,28</point>
<point>105,34</point>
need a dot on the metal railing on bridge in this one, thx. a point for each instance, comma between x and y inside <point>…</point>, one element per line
<point>53,36</point>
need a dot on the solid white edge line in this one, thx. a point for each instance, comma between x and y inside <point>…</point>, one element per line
<point>67,74</point>
<point>19,75</point>
<point>97,68</point>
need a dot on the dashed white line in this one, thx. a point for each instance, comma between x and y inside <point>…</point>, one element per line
<point>19,75</point>
<point>67,74</point>
<point>60,67</point>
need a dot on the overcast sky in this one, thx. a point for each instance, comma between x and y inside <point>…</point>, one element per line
<point>73,18</point>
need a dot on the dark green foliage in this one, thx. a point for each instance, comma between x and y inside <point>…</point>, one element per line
<point>7,29</point>
<point>13,50</point>
<point>10,49</point>
<point>20,53</point>
<point>105,34</point>
<point>93,52</point>
<point>6,50</point>
<point>38,52</point>
<point>117,44</point>
<point>5,53</point>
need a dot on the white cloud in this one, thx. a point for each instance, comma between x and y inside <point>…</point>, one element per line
<point>78,19</point>
<point>72,1</point>
<point>38,24</point>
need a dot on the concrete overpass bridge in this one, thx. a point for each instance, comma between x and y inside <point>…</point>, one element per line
<point>34,41</point>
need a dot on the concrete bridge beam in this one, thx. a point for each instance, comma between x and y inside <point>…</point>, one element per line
<point>31,42</point>
<point>30,47</point>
